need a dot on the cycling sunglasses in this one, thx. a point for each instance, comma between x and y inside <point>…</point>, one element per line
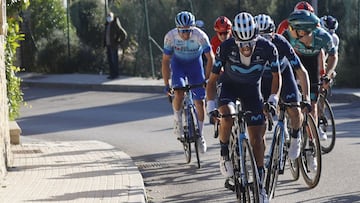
<point>185,30</point>
<point>243,44</point>
<point>224,33</point>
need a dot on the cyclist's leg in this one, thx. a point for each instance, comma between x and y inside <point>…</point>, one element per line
<point>195,74</point>
<point>290,94</point>
<point>256,125</point>
<point>226,106</point>
<point>177,80</point>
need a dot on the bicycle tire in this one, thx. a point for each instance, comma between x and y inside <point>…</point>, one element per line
<point>310,146</point>
<point>186,141</point>
<point>326,121</point>
<point>252,189</point>
<point>196,134</point>
<point>273,165</point>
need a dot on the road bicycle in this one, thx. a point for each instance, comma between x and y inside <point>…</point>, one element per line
<point>278,152</point>
<point>190,122</point>
<point>326,121</point>
<point>245,180</point>
<point>310,151</point>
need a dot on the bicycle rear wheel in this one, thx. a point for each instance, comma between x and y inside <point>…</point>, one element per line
<point>249,190</point>
<point>326,122</point>
<point>310,153</point>
<point>273,164</point>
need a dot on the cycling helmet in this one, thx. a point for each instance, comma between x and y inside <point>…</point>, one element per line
<point>222,24</point>
<point>303,5</point>
<point>329,23</point>
<point>303,20</point>
<point>184,19</point>
<point>245,27</point>
<point>265,24</point>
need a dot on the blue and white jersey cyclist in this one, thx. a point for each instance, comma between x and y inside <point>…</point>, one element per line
<point>182,58</point>
<point>244,58</point>
<point>289,64</point>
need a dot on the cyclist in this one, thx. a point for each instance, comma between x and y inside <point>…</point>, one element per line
<point>308,40</point>
<point>243,58</point>
<point>222,27</point>
<point>302,5</point>
<point>289,62</point>
<point>330,24</point>
<point>183,47</point>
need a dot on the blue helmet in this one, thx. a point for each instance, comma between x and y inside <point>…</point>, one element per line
<point>184,19</point>
<point>329,23</point>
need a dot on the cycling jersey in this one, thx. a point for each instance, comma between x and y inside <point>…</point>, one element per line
<point>320,40</point>
<point>186,61</point>
<point>186,50</point>
<point>289,61</point>
<point>215,43</point>
<point>242,81</point>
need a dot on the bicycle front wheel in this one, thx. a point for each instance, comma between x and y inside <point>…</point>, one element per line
<point>326,122</point>
<point>310,156</point>
<point>249,184</point>
<point>186,141</point>
<point>273,165</point>
<point>195,131</point>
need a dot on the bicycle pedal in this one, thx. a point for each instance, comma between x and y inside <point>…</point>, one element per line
<point>181,139</point>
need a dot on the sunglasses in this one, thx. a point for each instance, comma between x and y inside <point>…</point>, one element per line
<point>185,30</point>
<point>243,44</point>
<point>223,33</point>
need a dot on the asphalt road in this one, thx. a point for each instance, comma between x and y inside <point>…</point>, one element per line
<point>140,124</point>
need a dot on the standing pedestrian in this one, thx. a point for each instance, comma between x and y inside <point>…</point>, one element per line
<point>115,34</point>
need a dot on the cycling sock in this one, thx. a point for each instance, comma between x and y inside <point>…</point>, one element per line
<point>201,126</point>
<point>295,133</point>
<point>224,149</point>
<point>177,115</point>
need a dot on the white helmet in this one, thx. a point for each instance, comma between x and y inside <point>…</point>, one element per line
<point>265,23</point>
<point>245,27</point>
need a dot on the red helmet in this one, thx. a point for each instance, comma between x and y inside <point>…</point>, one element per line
<point>222,24</point>
<point>303,5</point>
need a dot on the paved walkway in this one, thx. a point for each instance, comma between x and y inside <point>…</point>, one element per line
<point>76,171</point>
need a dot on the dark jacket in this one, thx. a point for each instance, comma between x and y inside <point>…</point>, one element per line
<point>117,33</point>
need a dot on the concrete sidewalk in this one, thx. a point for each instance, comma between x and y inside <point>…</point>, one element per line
<point>76,171</point>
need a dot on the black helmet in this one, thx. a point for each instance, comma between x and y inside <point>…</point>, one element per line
<point>303,20</point>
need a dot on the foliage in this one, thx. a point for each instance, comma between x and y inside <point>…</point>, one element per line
<point>14,93</point>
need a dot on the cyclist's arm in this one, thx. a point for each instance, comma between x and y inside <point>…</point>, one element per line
<point>331,63</point>
<point>165,68</point>
<point>302,75</point>
<point>209,64</point>
<point>211,87</point>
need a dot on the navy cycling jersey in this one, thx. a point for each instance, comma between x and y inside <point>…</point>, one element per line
<point>286,55</point>
<point>228,56</point>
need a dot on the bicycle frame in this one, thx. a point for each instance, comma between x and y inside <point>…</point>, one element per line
<point>189,108</point>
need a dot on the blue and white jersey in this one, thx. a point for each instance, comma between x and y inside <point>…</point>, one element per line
<point>186,50</point>
<point>228,56</point>
<point>287,55</point>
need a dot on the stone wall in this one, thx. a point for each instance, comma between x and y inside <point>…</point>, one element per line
<point>5,152</point>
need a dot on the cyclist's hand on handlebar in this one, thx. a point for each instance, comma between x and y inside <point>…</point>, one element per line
<point>273,100</point>
<point>213,115</point>
<point>270,108</point>
<point>306,106</point>
<point>168,91</point>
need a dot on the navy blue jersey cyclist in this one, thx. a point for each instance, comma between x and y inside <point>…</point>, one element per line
<point>289,64</point>
<point>243,59</point>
